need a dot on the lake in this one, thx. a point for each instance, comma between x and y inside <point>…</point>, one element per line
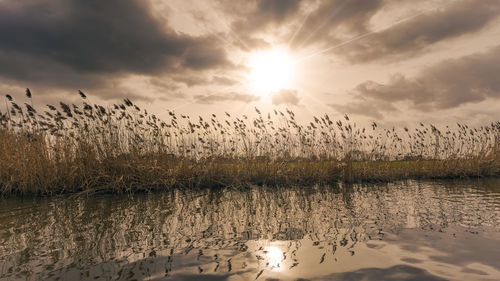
<point>412,230</point>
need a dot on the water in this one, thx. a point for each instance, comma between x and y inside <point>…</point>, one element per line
<point>439,230</point>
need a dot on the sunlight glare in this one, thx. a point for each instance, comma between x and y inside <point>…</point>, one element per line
<point>271,70</point>
<point>274,256</point>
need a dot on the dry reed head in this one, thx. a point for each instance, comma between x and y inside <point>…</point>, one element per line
<point>91,145</point>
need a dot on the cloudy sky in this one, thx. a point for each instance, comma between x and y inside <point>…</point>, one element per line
<point>385,60</point>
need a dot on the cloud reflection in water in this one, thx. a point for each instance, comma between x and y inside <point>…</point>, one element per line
<point>421,229</point>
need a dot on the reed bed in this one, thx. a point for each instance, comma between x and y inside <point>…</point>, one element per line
<point>123,148</point>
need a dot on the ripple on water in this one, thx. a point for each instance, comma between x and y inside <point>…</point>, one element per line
<point>437,230</point>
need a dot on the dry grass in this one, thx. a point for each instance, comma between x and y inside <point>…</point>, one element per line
<point>121,148</point>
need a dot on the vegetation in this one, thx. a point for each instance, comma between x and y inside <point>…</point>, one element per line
<point>122,148</point>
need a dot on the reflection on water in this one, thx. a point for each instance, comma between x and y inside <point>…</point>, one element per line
<point>403,231</point>
<point>274,256</point>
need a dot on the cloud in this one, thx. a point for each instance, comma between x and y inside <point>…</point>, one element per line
<point>254,16</point>
<point>290,97</point>
<point>445,85</point>
<point>250,19</point>
<point>165,89</point>
<point>332,22</point>
<point>164,84</point>
<point>414,35</point>
<point>361,106</point>
<point>334,16</point>
<point>277,10</point>
<point>118,94</point>
<point>232,96</point>
<point>73,43</point>
<point>222,80</point>
<point>196,79</point>
<point>190,79</point>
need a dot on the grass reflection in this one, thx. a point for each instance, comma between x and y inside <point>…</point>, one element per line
<point>224,232</point>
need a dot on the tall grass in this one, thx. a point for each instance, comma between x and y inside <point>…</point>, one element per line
<point>122,148</point>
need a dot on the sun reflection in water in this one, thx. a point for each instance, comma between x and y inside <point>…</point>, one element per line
<point>274,257</point>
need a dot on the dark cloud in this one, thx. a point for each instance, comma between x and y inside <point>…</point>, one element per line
<point>334,16</point>
<point>277,10</point>
<point>251,18</point>
<point>190,79</point>
<point>40,71</point>
<point>164,84</point>
<point>332,22</point>
<point>248,43</point>
<point>202,53</point>
<point>193,79</point>
<point>445,85</point>
<point>254,16</point>
<point>87,42</point>
<point>232,96</point>
<point>459,18</point>
<point>225,81</point>
<point>95,45</point>
<point>289,97</point>
<point>165,89</point>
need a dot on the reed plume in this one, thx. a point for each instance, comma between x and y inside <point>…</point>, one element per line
<point>122,148</point>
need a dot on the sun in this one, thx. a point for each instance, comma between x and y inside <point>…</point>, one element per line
<point>270,70</point>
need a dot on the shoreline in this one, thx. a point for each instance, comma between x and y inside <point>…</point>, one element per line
<point>153,174</point>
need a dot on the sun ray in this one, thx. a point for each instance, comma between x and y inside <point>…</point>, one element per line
<point>370,33</point>
<point>311,34</point>
<point>297,31</point>
<point>230,30</point>
<point>204,27</point>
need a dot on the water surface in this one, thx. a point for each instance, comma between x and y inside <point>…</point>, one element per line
<point>439,230</point>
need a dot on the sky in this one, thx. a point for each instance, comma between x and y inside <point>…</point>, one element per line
<point>393,61</point>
